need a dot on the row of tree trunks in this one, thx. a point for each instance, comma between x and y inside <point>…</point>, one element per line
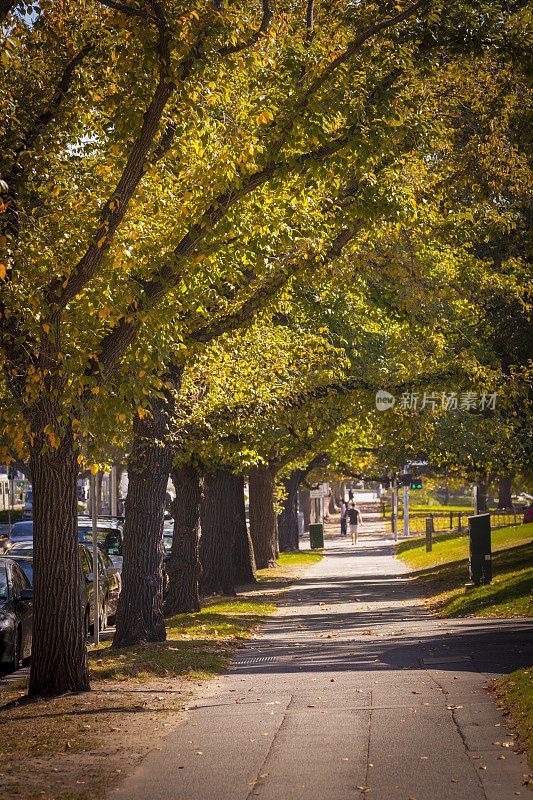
<point>183,565</point>
<point>263,530</point>
<point>140,605</point>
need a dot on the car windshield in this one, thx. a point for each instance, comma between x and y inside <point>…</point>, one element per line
<point>3,582</point>
<point>21,530</point>
<point>26,566</point>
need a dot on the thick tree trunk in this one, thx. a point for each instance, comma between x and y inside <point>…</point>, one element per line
<point>305,506</point>
<point>288,519</point>
<point>219,520</point>
<point>446,497</point>
<point>505,488</point>
<point>244,571</point>
<point>482,490</point>
<point>59,655</point>
<point>183,565</point>
<point>140,605</point>
<point>262,516</point>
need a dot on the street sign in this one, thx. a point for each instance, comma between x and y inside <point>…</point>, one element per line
<point>321,491</point>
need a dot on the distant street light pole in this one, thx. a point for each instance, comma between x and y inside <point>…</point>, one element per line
<point>96,615</point>
<point>405,504</point>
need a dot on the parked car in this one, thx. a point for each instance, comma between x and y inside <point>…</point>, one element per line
<point>110,537</point>
<point>20,532</point>
<point>27,510</point>
<point>108,585</point>
<point>16,614</point>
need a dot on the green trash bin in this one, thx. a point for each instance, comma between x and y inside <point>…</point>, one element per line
<point>316,535</point>
<point>480,565</point>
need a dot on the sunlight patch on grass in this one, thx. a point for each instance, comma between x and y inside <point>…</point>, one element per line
<point>509,594</point>
<point>453,546</point>
<point>197,645</point>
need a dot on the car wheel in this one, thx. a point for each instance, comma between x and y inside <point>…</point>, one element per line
<point>17,648</point>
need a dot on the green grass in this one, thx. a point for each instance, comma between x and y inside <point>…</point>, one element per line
<point>453,546</point>
<point>300,559</point>
<point>515,692</point>
<point>441,574</point>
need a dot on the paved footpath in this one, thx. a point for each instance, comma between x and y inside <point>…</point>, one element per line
<point>352,691</point>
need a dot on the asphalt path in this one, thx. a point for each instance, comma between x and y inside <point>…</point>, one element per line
<point>352,691</point>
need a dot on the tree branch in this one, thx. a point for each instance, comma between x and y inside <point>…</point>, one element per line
<point>126,9</point>
<point>309,20</point>
<point>261,31</point>
<point>350,51</point>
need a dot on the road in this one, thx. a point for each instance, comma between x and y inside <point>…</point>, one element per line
<point>352,691</point>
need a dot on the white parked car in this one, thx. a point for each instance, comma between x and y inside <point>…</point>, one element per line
<point>27,511</point>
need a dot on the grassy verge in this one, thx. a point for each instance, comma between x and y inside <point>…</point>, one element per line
<point>441,574</point>
<point>137,693</point>
<point>515,692</point>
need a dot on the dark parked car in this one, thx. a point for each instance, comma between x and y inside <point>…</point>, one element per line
<point>16,614</point>
<point>109,586</point>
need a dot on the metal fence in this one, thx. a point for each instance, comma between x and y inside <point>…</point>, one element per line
<point>456,520</point>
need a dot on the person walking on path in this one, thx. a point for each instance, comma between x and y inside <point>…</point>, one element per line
<point>354,520</point>
<point>343,518</point>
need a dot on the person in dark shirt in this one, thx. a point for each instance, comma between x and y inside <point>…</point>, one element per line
<point>354,519</point>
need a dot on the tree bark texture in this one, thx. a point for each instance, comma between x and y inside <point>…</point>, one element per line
<point>244,571</point>
<point>140,605</point>
<point>59,655</point>
<point>288,519</point>
<point>304,498</point>
<point>262,516</point>
<point>219,519</point>
<point>482,491</point>
<point>183,565</point>
<point>505,487</point>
